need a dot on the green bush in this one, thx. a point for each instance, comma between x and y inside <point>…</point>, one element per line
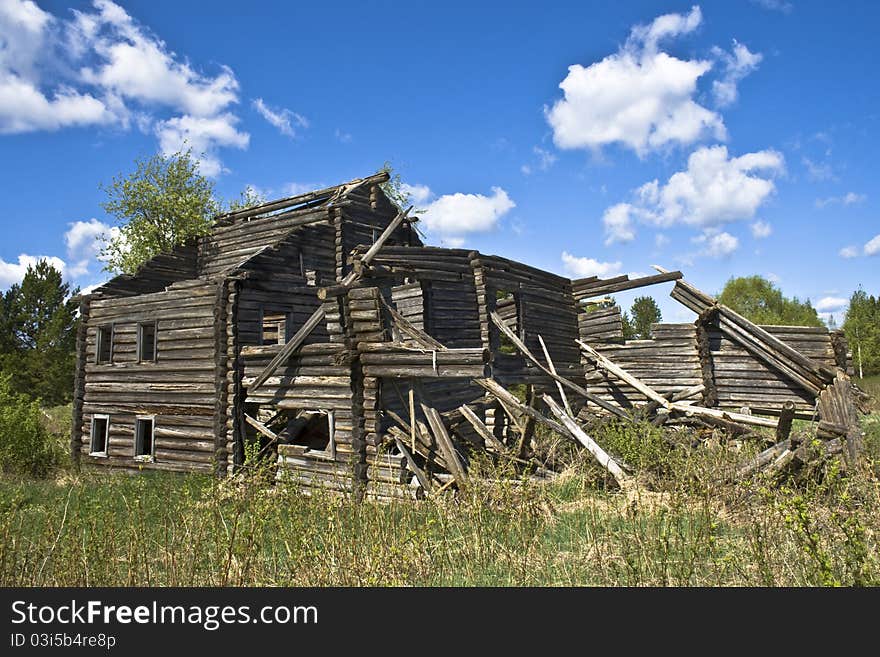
<point>26,446</point>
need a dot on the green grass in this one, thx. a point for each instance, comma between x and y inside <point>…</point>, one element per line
<point>159,529</point>
<point>685,525</point>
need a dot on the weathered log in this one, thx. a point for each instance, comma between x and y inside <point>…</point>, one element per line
<point>574,430</point>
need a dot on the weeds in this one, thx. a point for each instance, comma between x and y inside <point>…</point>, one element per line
<point>693,528</point>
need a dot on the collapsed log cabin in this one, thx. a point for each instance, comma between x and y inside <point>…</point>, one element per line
<point>321,330</point>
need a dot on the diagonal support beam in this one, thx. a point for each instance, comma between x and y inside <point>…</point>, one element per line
<point>316,318</point>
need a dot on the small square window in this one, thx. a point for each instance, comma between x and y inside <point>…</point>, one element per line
<point>274,327</point>
<point>104,348</point>
<point>146,341</point>
<point>144,446</point>
<point>100,431</point>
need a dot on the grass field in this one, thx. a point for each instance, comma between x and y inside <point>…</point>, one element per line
<point>180,530</point>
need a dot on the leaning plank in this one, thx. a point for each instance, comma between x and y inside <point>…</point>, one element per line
<point>591,445</point>
<point>423,478</point>
<point>611,408</point>
<point>509,401</point>
<point>624,376</point>
<point>318,315</point>
<point>552,369</point>
<point>262,428</point>
<point>456,467</point>
<point>288,350</point>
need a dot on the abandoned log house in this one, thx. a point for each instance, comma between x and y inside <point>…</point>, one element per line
<point>319,329</point>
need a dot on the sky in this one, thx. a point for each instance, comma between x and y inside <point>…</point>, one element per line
<point>586,138</point>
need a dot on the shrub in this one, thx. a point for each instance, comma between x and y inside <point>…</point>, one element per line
<point>26,446</point>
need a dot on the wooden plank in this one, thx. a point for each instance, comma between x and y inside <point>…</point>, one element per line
<point>591,445</point>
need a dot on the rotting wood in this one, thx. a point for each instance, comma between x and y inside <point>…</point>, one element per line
<point>578,434</point>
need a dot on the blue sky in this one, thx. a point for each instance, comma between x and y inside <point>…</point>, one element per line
<point>724,139</point>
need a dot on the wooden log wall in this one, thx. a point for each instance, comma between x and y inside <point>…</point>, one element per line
<point>600,325</point>
<point>669,363</point>
<point>546,308</point>
<point>179,389</point>
<point>741,379</point>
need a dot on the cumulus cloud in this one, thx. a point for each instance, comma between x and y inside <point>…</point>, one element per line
<point>717,244</point>
<point>737,65</point>
<point>713,190</point>
<point>454,215</point>
<point>579,267</point>
<point>204,134</point>
<point>849,252</point>
<point>25,106</point>
<point>873,246</point>
<point>283,119</point>
<point>639,97</point>
<point>138,66</point>
<point>850,198</point>
<point>831,304</point>
<point>761,229</point>
<point>13,272</point>
<point>417,194</point>
<point>114,71</point>
<point>619,224</point>
<point>84,241</point>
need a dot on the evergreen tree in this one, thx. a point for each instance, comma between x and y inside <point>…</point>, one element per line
<point>38,321</point>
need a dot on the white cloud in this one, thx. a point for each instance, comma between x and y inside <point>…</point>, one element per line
<point>138,66</point>
<point>717,245</point>
<point>84,241</point>
<point>873,246</point>
<point>715,189</point>
<point>818,170</point>
<point>618,224</point>
<point>342,137</point>
<point>453,215</point>
<point>204,134</point>
<point>850,198</point>
<point>737,65</point>
<point>417,194</point>
<point>577,267</point>
<point>761,229</point>
<point>281,119</point>
<point>13,272</point>
<point>849,252</point>
<point>831,304</point>
<point>660,240</point>
<point>544,160</point>
<point>24,106</point>
<point>775,5</point>
<point>773,278</point>
<point>638,97</point>
<point>108,69</point>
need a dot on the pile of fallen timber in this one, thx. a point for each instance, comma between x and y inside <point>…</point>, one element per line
<point>438,447</point>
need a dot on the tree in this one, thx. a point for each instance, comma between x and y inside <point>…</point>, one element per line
<point>861,326</point>
<point>164,202</point>
<point>643,313</point>
<point>39,320</point>
<point>758,300</point>
<point>248,198</point>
